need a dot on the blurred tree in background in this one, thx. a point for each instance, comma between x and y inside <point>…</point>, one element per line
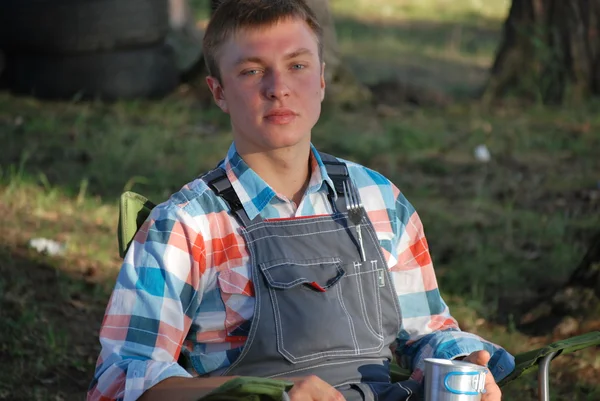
<point>550,51</point>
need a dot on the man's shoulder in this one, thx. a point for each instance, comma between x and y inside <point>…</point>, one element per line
<point>376,188</point>
<point>364,175</point>
<point>193,199</point>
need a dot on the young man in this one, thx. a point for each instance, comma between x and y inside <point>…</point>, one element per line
<point>255,269</point>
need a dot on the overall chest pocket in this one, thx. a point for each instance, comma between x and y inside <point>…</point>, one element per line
<point>319,311</point>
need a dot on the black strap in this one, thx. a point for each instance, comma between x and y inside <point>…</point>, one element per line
<point>338,172</point>
<point>219,183</point>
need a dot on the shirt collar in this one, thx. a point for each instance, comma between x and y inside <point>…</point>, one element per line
<point>254,193</point>
<point>319,173</point>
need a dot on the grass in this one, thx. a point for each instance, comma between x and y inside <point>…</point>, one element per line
<point>499,232</point>
<point>435,43</point>
<point>431,10</point>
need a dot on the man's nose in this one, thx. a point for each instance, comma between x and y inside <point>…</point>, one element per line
<point>276,86</point>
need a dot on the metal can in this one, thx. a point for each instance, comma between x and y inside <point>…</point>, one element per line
<point>448,380</point>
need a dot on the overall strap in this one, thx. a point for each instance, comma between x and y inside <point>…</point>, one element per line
<point>338,172</point>
<point>219,183</point>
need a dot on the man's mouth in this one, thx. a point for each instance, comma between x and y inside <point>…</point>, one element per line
<point>280,116</point>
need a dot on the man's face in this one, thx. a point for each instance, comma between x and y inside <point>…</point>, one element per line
<point>272,85</point>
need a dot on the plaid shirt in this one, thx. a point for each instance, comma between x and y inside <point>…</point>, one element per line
<point>185,283</point>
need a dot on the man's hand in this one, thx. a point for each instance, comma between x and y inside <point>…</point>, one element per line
<point>311,388</point>
<point>492,391</point>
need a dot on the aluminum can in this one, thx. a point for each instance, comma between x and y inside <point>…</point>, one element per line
<point>448,380</point>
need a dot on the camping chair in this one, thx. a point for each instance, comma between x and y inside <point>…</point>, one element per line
<point>134,209</point>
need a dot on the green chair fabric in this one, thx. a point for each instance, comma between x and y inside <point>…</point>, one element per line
<point>528,361</point>
<point>134,209</point>
<point>398,374</point>
<point>250,389</point>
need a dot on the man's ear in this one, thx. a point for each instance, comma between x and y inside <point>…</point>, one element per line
<point>322,81</point>
<point>217,91</point>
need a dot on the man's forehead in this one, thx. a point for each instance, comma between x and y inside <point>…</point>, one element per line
<point>262,34</point>
<point>264,27</point>
<point>244,46</point>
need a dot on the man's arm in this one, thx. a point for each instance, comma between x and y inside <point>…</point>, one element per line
<point>428,328</point>
<point>183,388</point>
<point>308,388</point>
<point>151,307</point>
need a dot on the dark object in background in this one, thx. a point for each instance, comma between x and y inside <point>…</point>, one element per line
<point>147,72</point>
<point>185,37</point>
<point>75,26</point>
<point>3,82</point>
<point>101,49</point>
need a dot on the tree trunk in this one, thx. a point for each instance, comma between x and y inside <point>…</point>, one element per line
<point>575,306</point>
<point>550,51</point>
<point>587,274</point>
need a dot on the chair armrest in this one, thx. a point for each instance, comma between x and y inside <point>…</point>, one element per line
<point>528,361</point>
<point>397,373</point>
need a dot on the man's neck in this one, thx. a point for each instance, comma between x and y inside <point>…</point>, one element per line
<point>285,170</point>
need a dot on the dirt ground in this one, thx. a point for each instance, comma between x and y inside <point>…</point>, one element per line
<point>52,337</point>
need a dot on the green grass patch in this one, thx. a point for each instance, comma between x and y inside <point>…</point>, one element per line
<point>432,10</point>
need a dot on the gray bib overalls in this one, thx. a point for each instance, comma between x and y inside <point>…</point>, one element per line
<point>319,310</point>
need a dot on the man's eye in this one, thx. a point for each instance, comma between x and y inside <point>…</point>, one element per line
<point>298,66</point>
<point>251,72</point>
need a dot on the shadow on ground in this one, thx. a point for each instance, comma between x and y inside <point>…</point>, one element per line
<point>49,332</point>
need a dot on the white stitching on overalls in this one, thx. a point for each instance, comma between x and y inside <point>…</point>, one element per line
<point>391,287</point>
<point>352,329</point>
<point>380,254</point>
<point>298,235</point>
<point>407,389</point>
<point>363,308</point>
<point>309,262</point>
<point>300,222</point>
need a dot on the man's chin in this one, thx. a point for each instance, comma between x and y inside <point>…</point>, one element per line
<point>270,138</point>
<point>285,144</point>
<point>285,138</point>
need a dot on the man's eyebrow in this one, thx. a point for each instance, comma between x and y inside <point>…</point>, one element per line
<point>300,52</point>
<point>244,60</point>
